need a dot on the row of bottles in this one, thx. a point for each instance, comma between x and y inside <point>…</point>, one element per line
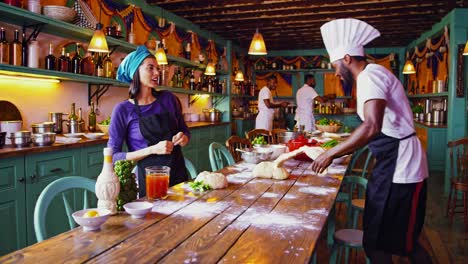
<point>15,53</point>
<point>78,118</point>
<point>188,81</point>
<point>244,88</point>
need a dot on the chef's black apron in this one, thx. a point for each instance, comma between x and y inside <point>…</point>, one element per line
<point>385,150</point>
<point>155,128</point>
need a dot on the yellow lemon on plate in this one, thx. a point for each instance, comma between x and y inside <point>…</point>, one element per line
<point>91,213</point>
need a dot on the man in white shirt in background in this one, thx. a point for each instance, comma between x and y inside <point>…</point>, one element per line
<point>265,105</point>
<point>305,97</point>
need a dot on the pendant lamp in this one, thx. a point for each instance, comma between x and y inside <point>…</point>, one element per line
<point>409,67</point>
<point>160,55</point>
<point>210,68</point>
<point>257,46</point>
<point>98,42</point>
<point>465,50</point>
<point>239,76</point>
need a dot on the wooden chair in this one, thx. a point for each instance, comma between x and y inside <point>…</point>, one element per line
<point>250,135</point>
<point>192,171</point>
<point>55,188</point>
<point>219,156</point>
<point>274,134</point>
<point>234,142</point>
<point>459,178</point>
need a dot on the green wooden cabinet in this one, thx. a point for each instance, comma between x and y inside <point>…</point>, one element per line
<point>92,160</point>
<point>42,169</point>
<point>12,205</point>
<point>434,142</point>
<point>244,125</point>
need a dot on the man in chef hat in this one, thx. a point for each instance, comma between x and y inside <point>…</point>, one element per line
<point>396,192</point>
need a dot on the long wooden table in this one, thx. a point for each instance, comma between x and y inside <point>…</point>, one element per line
<point>253,220</point>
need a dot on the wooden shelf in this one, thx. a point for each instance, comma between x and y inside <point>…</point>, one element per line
<point>296,70</point>
<point>428,95</point>
<point>284,97</point>
<point>243,96</point>
<point>185,91</point>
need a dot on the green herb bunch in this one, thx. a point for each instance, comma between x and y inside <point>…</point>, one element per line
<point>330,144</point>
<point>128,186</point>
<point>259,140</point>
<point>199,186</point>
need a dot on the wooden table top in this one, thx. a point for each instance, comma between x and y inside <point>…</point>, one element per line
<point>253,220</point>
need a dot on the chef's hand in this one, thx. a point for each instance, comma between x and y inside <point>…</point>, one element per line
<point>180,139</point>
<point>163,147</point>
<point>322,162</point>
<point>284,104</point>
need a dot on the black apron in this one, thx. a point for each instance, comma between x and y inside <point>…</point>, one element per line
<point>385,150</point>
<point>155,128</point>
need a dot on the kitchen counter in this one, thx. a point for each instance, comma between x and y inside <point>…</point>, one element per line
<point>430,125</point>
<point>9,151</point>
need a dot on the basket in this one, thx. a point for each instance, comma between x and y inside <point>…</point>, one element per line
<point>104,128</point>
<point>63,13</point>
<point>330,129</point>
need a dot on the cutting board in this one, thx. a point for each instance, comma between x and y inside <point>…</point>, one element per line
<point>9,111</point>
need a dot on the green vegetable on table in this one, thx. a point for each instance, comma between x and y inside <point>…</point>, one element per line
<point>105,122</point>
<point>199,186</point>
<point>259,140</point>
<point>330,144</point>
<point>328,122</point>
<point>128,186</point>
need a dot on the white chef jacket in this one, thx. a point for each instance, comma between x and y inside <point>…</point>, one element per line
<point>265,115</point>
<point>305,106</point>
<point>376,82</point>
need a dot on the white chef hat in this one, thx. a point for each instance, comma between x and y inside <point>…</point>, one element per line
<point>347,36</point>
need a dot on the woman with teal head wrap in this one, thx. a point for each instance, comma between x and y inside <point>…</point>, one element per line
<point>150,122</point>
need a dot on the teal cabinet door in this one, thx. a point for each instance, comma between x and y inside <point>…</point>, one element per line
<point>436,146</point>
<point>42,169</point>
<point>91,165</point>
<point>12,205</point>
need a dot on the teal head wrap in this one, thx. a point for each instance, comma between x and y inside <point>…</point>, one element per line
<point>130,64</point>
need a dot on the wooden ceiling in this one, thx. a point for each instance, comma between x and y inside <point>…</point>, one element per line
<point>294,24</point>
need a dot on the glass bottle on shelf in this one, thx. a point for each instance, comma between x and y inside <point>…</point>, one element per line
<point>131,35</point>
<point>80,119</point>
<point>163,43</point>
<point>99,67</point>
<point>72,115</point>
<point>15,50</point>
<point>33,53</point>
<point>76,60</point>
<point>188,53</point>
<point>108,67</point>
<point>178,78</point>
<point>24,50</point>
<point>4,48</point>
<point>63,62</point>
<point>50,60</point>
<point>92,119</point>
<point>87,64</point>
<point>192,81</point>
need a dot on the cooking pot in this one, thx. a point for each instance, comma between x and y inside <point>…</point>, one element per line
<point>57,118</point>
<point>285,137</point>
<point>300,141</point>
<point>214,115</point>
<point>44,127</point>
<point>10,127</point>
<point>20,138</point>
<point>74,126</point>
<point>43,139</point>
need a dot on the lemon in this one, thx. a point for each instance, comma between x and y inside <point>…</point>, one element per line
<point>91,213</point>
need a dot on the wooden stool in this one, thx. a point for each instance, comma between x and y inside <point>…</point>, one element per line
<point>459,180</point>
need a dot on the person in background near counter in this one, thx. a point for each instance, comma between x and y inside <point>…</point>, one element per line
<point>397,189</point>
<point>305,97</point>
<point>150,122</point>
<point>265,105</point>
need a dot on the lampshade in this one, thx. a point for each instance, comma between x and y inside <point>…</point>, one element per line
<point>465,50</point>
<point>161,57</point>
<point>239,76</point>
<point>98,42</point>
<point>210,69</point>
<point>409,68</point>
<point>257,46</point>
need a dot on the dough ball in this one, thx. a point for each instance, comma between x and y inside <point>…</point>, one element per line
<point>213,179</point>
<point>280,173</point>
<point>264,169</point>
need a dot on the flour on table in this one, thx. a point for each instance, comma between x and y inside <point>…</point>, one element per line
<point>317,190</point>
<point>270,195</point>
<point>321,211</point>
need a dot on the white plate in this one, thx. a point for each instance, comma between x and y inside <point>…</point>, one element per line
<point>74,135</point>
<point>94,135</point>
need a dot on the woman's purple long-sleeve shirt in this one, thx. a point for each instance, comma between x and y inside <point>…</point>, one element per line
<point>124,126</point>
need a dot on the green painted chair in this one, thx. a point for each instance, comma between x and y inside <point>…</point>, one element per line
<point>349,238</point>
<point>55,188</point>
<point>190,168</point>
<point>219,156</point>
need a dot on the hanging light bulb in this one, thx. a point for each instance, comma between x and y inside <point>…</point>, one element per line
<point>210,69</point>
<point>409,67</point>
<point>160,55</point>
<point>98,42</point>
<point>239,76</point>
<point>257,46</point>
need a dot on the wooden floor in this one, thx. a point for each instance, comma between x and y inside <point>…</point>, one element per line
<point>445,243</point>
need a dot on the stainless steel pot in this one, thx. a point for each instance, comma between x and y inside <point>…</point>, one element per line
<point>20,139</point>
<point>45,127</point>
<point>437,116</point>
<point>75,126</point>
<point>284,137</point>
<point>214,115</point>
<point>10,127</point>
<point>57,118</point>
<point>43,139</point>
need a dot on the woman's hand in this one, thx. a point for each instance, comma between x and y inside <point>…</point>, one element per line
<point>180,139</point>
<point>163,147</point>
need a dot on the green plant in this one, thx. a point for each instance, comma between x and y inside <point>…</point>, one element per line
<point>105,122</point>
<point>417,109</point>
<point>128,186</point>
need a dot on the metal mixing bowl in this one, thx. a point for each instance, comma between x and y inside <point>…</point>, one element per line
<point>20,139</point>
<point>43,139</point>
